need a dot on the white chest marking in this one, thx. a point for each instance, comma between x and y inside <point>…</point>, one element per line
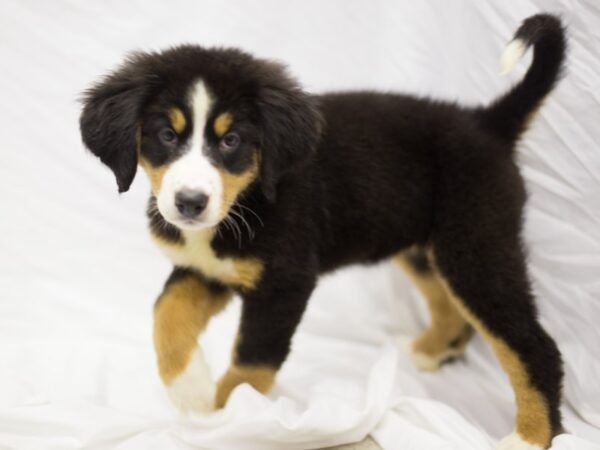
<point>198,254</point>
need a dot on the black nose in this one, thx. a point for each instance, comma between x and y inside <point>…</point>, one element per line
<point>190,203</point>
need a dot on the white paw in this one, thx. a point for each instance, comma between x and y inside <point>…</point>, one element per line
<point>194,390</point>
<point>515,442</point>
<point>424,361</point>
<point>405,343</point>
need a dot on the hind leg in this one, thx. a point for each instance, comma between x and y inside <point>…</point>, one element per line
<point>489,284</point>
<point>449,332</point>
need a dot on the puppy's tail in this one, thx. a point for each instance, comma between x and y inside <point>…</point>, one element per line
<point>508,115</point>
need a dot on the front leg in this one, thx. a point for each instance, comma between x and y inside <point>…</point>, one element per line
<point>269,319</point>
<point>181,313</point>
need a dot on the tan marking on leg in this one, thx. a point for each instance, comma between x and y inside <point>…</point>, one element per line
<point>155,174</point>
<point>259,377</point>
<point>447,323</point>
<point>222,123</point>
<point>177,119</point>
<point>181,313</point>
<point>533,414</point>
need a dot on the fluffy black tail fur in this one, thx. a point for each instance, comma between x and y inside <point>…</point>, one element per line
<point>507,116</point>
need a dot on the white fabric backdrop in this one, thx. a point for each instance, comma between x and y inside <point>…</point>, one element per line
<point>79,274</point>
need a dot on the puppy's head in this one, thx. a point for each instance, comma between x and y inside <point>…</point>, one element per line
<point>205,124</point>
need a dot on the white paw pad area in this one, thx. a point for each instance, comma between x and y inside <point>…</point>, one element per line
<point>194,390</point>
<point>515,442</point>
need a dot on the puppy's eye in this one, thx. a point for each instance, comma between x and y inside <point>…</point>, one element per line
<point>230,141</point>
<point>167,136</point>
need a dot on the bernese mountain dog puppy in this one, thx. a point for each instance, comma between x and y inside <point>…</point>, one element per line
<point>258,188</point>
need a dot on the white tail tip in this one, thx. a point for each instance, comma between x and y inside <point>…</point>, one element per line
<point>512,55</point>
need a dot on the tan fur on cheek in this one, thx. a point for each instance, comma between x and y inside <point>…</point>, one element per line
<point>155,174</point>
<point>233,184</point>
<point>177,119</point>
<point>222,123</point>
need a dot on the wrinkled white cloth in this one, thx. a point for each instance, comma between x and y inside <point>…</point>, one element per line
<point>79,274</point>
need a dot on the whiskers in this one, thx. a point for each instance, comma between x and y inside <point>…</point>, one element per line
<point>157,221</point>
<point>252,212</point>
<point>236,221</point>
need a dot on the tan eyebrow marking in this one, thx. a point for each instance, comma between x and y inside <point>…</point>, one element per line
<point>222,123</point>
<point>177,119</point>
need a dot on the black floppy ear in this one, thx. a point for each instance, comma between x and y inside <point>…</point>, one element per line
<point>291,127</point>
<point>109,120</point>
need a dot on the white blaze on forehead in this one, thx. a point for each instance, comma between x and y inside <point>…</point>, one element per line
<point>201,105</point>
<point>193,170</point>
